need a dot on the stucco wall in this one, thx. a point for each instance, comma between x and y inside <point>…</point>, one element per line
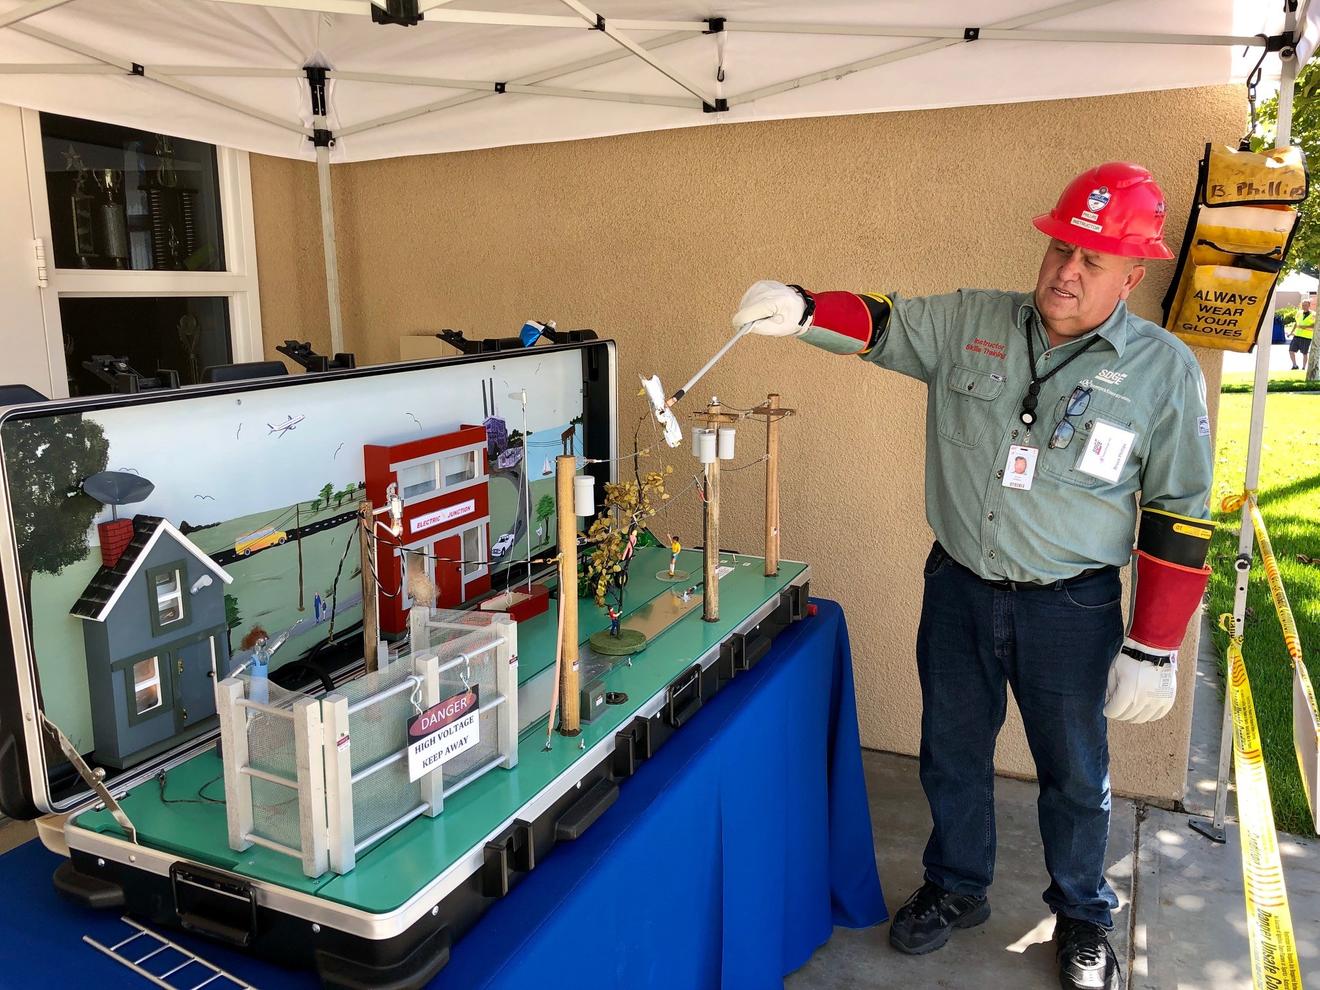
<point>651,239</point>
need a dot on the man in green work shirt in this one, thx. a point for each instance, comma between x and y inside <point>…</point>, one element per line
<point>1303,331</point>
<point>1054,420</point>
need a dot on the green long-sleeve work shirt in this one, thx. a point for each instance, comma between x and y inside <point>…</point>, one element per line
<point>970,348</point>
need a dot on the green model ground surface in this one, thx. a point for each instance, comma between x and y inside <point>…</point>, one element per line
<point>536,639</point>
<point>178,819</point>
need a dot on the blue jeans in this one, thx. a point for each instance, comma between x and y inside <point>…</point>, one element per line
<point>1053,646</point>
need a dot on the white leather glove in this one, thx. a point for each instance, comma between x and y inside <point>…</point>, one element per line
<point>774,310</point>
<point>1139,690</point>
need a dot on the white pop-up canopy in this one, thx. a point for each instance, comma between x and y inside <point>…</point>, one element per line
<point>484,73</point>
<point>353,80</point>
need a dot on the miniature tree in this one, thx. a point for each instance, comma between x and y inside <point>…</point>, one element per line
<point>615,531</point>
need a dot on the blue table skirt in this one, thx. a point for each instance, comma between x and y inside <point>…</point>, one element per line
<point>725,862</point>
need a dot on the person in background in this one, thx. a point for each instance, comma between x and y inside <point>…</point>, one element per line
<point>1303,332</point>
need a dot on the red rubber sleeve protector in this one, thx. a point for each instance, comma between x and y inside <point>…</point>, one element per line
<point>844,313</point>
<point>1166,598</point>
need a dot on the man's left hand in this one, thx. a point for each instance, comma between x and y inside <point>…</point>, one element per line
<point>1141,689</point>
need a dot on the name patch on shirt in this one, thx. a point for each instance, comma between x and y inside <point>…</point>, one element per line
<point>1107,450</point>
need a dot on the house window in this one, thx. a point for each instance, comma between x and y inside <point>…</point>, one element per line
<point>473,551</point>
<point>459,469</point>
<point>146,685</point>
<point>417,479</point>
<point>169,597</point>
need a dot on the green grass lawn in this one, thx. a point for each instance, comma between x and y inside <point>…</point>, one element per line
<point>1289,495</point>
<point>1280,381</point>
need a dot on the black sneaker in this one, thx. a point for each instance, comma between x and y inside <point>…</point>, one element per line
<point>930,915</point>
<point>1086,959</point>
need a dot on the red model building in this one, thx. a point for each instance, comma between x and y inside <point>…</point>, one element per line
<point>446,519</point>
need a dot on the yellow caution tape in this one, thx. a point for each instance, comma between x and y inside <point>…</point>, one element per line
<point>1274,964</point>
<point>1269,922</point>
<point>1291,639</point>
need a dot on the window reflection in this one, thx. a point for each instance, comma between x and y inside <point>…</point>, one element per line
<point>130,199</point>
<point>187,334</point>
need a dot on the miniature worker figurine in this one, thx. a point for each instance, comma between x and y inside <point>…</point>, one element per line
<point>614,615</point>
<point>1064,429</point>
<point>258,685</point>
<point>674,548</point>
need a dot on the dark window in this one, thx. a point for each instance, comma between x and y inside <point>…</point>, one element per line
<point>125,198</point>
<point>181,333</point>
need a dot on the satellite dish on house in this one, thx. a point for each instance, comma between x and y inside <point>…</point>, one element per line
<point>117,487</point>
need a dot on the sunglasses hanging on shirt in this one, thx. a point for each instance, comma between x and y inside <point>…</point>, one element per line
<point>1028,414</point>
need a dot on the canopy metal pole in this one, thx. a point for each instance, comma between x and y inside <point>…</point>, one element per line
<point>322,138</point>
<point>1214,827</point>
<point>328,242</point>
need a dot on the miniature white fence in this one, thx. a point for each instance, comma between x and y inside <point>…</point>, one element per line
<point>323,780</point>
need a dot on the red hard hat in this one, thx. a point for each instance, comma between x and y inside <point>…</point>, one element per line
<point>1115,208</point>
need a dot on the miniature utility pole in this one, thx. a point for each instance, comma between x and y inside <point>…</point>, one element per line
<point>773,413</point>
<point>370,614</point>
<point>565,469</point>
<point>713,417</point>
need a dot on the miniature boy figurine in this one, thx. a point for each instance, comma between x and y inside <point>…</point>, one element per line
<point>674,548</point>
<point>614,615</point>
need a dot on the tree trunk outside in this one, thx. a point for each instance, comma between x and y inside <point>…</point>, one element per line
<point>1313,363</point>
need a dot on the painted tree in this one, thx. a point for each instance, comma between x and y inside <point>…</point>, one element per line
<point>545,508</point>
<point>326,493</point>
<point>348,491</point>
<point>51,512</point>
<point>232,619</point>
<point>615,531</point>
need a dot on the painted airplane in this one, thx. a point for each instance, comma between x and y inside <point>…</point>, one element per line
<point>286,426</point>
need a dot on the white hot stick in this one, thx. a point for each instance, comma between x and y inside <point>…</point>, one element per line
<point>661,406</point>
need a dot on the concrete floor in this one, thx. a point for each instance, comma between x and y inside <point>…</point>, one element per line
<point>1180,924</point>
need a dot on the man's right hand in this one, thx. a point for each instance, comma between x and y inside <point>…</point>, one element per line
<point>774,310</point>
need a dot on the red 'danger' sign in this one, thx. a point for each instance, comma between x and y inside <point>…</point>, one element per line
<point>442,732</point>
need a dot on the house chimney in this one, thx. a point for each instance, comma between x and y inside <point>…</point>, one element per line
<point>116,535</point>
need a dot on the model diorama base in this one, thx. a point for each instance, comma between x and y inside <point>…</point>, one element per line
<point>628,642</point>
<point>392,919</point>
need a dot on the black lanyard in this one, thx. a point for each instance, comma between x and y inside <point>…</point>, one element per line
<point>1028,414</point>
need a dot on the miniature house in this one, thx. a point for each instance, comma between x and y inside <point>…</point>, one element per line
<point>155,635</point>
<point>443,482</point>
